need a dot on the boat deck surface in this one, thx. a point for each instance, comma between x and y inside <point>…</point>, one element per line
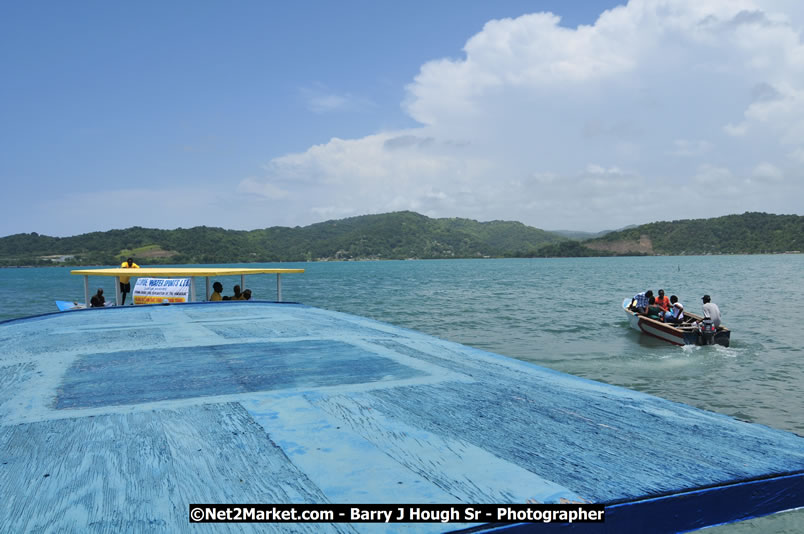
<point>114,420</point>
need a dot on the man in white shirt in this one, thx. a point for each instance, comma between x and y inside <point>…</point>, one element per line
<point>676,313</point>
<point>710,310</point>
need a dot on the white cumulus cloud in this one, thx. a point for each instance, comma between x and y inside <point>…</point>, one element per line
<point>666,99</point>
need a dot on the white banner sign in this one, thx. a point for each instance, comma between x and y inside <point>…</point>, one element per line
<point>157,290</point>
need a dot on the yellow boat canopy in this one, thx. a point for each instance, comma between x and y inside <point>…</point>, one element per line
<point>181,272</point>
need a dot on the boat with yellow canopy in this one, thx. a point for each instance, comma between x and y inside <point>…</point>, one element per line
<point>181,272</point>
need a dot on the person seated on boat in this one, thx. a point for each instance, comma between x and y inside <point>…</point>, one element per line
<point>125,281</point>
<point>237,294</point>
<point>216,295</point>
<point>662,301</point>
<point>710,310</point>
<point>654,311</point>
<point>640,301</point>
<point>247,294</point>
<point>97,300</point>
<point>676,313</point>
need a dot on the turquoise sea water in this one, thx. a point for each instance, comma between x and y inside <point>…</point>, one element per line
<point>560,313</point>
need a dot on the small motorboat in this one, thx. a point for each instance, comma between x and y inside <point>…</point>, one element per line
<point>687,332</point>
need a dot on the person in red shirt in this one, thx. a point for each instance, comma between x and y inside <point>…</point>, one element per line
<point>662,301</point>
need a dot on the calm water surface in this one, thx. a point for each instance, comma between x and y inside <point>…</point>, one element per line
<point>560,313</point>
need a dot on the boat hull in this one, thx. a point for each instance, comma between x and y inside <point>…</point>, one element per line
<point>669,333</point>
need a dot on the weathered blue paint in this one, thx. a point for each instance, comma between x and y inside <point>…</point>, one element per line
<point>117,419</point>
<point>110,378</point>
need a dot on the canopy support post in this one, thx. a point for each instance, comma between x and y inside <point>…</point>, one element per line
<point>86,290</point>
<point>207,288</point>
<point>192,289</point>
<point>278,287</point>
<point>117,291</point>
<point>242,282</point>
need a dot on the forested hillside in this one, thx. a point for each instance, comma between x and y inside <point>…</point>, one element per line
<point>749,233</point>
<point>398,235</point>
<point>404,235</point>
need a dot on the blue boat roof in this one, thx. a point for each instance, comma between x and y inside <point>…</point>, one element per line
<point>116,419</point>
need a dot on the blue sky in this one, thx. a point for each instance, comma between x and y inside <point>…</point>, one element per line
<point>255,114</point>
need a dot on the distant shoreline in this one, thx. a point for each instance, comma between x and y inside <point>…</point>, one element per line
<point>353,260</point>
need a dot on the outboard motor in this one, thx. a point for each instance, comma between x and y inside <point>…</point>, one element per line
<point>707,333</point>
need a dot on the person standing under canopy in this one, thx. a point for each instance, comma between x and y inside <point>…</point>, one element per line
<point>125,281</point>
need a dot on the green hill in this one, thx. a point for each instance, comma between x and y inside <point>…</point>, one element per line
<point>749,233</point>
<point>398,235</point>
<point>403,235</point>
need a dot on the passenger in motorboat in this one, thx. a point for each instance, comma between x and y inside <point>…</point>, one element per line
<point>676,312</point>
<point>710,310</point>
<point>654,311</point>
<point>641,301</point>
<point>708,327</point>
<point>662,301</point>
